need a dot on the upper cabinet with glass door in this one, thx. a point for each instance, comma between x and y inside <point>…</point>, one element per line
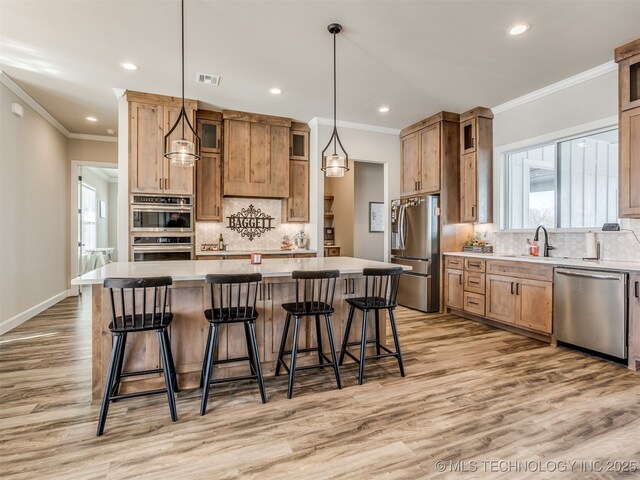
<point>210,131</point>
<point>299,147</point>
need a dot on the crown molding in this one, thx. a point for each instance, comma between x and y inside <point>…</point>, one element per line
<point>558,86</point>
<point>8,82</point>
<point>95,138</point>
<point>315,121</point>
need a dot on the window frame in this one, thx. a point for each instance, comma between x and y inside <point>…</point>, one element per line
<point>552,139</point>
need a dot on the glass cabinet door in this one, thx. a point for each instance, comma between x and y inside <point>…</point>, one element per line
<point>210,135</point>
<point>299,145</point>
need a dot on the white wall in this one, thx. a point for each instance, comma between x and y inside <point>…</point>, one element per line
<point>112,214</point>
<point>34,231</point>
<point>369,187</point>
<point>382,147</point>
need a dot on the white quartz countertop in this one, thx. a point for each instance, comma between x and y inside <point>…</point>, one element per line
<point>218,253</point>
<point>183,270</point>
<point>617,265</point>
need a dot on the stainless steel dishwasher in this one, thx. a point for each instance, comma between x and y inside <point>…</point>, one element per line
<point>590,310</point>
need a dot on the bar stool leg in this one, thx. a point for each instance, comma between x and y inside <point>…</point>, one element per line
<point>396,341</point>
<point>319,340</point>
<point>334,357</point>
<point>363,346</point>
<point>206,354</point>
<point>172,365</point>
<point>208,367</point>
<point>294,353</point>
<point>343,350</point>
<point>283,342</point>
<point>377,331</point>
<point>256,359</point>
<point>115,387</point>
<point>108,384</point>
<point>166,367</point>
<point>250,352</point>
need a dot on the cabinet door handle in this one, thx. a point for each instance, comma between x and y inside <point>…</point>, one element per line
<point>460,279</point>
<point>637,289</point>
<point>291,212</point>
<point>160,186</point>
<point>472,303</point>
<point>511,288</point>
<point>474,264</point>
<point>269,291</point>
<point>517,289</point>
<point>474,282</point>
<point>353,285</point>
<point>260,287</point>
<point>473,211</point>
<point>166,183</point>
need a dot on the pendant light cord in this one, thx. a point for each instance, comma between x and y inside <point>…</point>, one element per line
<point>183,110</point>
<point>334,94</point>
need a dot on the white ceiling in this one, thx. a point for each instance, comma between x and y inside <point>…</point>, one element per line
<point>417,57</point>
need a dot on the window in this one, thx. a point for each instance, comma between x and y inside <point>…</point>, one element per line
<point>88,217</point>
<point>568,183</point>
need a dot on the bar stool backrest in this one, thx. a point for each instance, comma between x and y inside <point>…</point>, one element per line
<point>315,289</point>
<point>233,295</point>
<point>126,313</point>
<point>381,286</point>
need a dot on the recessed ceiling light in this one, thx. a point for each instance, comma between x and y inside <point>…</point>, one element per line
<point>129,66</point>
<point>519,29</point>
<point>275,91</point>
<point>582,144</point>
<point>383,109</point>
<point>111,131</point>
<point>91,119</point>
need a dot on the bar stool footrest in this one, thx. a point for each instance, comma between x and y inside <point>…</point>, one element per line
<point>141,372</point>
<point>137,394</point>
<point>232,379</point>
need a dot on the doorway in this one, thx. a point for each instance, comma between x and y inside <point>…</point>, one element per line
<point>94,210</point>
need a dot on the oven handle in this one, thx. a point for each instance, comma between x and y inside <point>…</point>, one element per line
<point>187,247</point>
<point>161,208</point>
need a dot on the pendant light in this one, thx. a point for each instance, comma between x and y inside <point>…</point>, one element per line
<point>182,153</point>
<point>335,165</point>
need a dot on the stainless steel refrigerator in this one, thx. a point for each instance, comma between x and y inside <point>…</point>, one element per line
<point>415,241</point>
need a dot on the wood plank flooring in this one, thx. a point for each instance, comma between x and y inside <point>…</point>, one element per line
<point>472,392</point>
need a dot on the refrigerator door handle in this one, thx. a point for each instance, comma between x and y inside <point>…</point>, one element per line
<point>403,227</point>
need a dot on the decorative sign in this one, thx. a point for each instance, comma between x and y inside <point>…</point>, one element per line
<point>250,222</point>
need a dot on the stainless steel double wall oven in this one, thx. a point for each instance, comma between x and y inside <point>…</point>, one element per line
<point>162,228</point>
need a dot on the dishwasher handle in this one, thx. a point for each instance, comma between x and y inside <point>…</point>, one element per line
<point>572,273</point>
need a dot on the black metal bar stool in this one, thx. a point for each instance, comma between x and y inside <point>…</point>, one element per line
<point>381,291</point>
<point>318,289</point>
<point>153,317</point>
<point>233,300</point>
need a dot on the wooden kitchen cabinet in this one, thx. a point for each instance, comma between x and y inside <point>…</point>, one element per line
<point>295,209</point>
<point>634,321</point>
<point>628,58</point>
<point>146,161</point>
<point>256,155</point>
<point>454,289</point>
<point>209,188</point>
<point>520,301</point>
<point>209,128</point>
<point>420,159</point>
<point>150,118</point>
<point>501,302</point>
<point>299,148</point>
<point>476,166</point>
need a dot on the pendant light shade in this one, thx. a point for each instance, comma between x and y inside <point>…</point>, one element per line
<point>182,152</point>
<point>334,164</point>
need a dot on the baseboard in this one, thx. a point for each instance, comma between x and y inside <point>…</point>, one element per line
<point>19,319</point>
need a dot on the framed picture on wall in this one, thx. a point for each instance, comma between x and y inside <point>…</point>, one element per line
<point>376,217</point>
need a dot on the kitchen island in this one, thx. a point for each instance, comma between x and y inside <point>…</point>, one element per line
<point>188,298</point>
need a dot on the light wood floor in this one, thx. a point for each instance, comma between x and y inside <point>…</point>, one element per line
<point>471,393</point>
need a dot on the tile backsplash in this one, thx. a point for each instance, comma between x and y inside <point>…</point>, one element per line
<point>622,245</point>
<point>209,232</point>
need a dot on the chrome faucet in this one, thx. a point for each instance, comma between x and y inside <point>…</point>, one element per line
<point>546,247</point>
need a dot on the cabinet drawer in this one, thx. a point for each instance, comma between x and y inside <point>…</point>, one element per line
<point>474,282</point>
<point>520,269</point>
<point>454,262</point>
<point>332,251</point>
<point>474,303</point>
<point>474,265</point>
